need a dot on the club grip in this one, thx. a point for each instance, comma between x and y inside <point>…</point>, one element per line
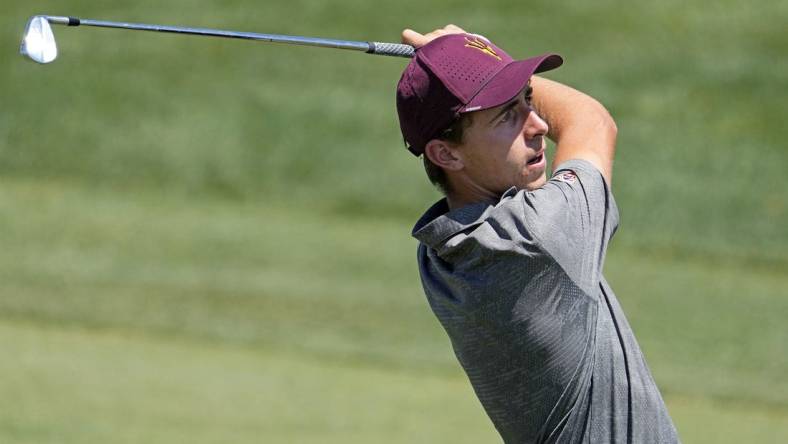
<point>391,49</point>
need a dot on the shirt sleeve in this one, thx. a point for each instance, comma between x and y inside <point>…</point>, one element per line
<point>572,218</point>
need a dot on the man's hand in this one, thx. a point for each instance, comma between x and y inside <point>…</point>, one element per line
<point>413,38</point>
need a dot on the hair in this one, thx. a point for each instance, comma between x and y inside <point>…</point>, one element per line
<point>453,134</point>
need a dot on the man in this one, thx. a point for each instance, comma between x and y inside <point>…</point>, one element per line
<point>510,261</point>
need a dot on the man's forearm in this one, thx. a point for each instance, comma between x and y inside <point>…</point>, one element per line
<point>579,125</point>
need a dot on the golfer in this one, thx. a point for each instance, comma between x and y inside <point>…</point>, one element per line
<point>511,259</point>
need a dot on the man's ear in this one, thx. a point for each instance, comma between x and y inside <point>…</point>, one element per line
<point>442,154</point>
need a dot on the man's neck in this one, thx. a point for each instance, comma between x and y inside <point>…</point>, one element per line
<point>466,192</point>
<point>456,200</point>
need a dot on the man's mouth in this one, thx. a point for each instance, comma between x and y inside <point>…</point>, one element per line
<point>536,159</point>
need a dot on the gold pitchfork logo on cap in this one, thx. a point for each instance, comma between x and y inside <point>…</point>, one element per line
<point>477,43</point>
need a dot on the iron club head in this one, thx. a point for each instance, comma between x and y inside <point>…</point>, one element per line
<point>38,42</point>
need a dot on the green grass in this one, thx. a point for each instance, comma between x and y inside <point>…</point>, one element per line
<point>73,386</point>
<point>208,240</point>
<point>698,91</point>
<point>143,306</point>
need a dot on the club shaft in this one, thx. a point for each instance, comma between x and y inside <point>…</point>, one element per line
<point>369,47</point>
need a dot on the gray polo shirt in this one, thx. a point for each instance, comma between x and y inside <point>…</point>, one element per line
<point>518,287</point>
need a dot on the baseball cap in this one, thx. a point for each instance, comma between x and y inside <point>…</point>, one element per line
<point>456,74</point>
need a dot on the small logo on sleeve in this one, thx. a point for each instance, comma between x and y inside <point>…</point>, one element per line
<point>566,176</point>
<point>479,44</point>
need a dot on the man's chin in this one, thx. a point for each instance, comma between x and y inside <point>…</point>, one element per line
<point>538,183</point>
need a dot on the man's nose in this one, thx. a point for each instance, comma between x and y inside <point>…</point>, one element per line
<point>534,126</point>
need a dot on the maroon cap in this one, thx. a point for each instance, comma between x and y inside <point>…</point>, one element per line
<point>455,74</point>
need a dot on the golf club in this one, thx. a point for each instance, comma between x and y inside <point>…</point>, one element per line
<point>39,45</point>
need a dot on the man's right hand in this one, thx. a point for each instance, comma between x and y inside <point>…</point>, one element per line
<point>417,40</point>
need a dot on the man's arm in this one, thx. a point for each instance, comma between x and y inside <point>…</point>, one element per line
<point>579,125</point>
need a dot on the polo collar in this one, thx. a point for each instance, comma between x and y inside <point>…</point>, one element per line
<point>439,224</point>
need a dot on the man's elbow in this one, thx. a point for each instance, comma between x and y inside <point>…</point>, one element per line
<point>608,126</point>
<point>612,128</point>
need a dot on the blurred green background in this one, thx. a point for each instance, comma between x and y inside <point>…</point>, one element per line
<point>208,240</point>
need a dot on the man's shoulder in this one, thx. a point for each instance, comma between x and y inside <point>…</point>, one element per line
<point>521,221</point>
<point>478,233</point>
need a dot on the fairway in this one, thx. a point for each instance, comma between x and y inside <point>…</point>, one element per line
<point>120,323</point>
<point>208,240</point>
<point>76,386</point>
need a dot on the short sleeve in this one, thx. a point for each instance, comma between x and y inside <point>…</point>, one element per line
<point>572,218</point>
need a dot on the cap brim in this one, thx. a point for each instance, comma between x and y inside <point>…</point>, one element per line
<point>509,81</point>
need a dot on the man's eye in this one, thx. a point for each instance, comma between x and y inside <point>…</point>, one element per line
<point>507,115</point>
